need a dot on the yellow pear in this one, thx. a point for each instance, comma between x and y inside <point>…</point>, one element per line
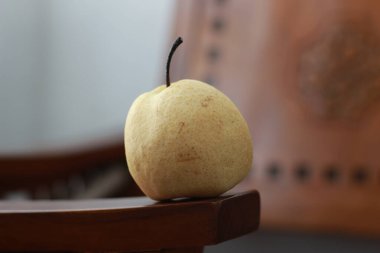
<point>186,139</point>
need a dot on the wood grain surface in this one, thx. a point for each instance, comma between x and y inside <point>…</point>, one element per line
<point>127,224</point>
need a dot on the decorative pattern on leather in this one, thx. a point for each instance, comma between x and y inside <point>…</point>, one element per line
<point>339,73</point>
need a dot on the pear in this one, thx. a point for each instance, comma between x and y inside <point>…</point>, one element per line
<point>186,139</point>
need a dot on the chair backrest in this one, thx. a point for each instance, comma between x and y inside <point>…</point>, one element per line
<point>87,171</point>
<point>306,77</point>
<point>126,224</point>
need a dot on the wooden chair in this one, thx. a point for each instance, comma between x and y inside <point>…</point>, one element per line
<point>305,75</point>
<point>126,224</point>
<point>112,224</point>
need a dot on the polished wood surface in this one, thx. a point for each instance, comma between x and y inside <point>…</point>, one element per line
<point>127,224</point>
<point>305,75</point>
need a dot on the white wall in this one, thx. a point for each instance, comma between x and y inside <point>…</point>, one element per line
<point>72,68</point>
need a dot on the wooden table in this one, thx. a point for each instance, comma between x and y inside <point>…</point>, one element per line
<point>126,224</point>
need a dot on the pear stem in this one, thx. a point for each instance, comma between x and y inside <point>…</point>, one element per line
<point>174,47</point>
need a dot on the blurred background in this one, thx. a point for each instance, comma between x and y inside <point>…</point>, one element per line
<point>305,74</point>
<point>70,70</point>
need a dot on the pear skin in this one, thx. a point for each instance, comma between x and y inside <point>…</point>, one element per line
<point>186,140</point>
